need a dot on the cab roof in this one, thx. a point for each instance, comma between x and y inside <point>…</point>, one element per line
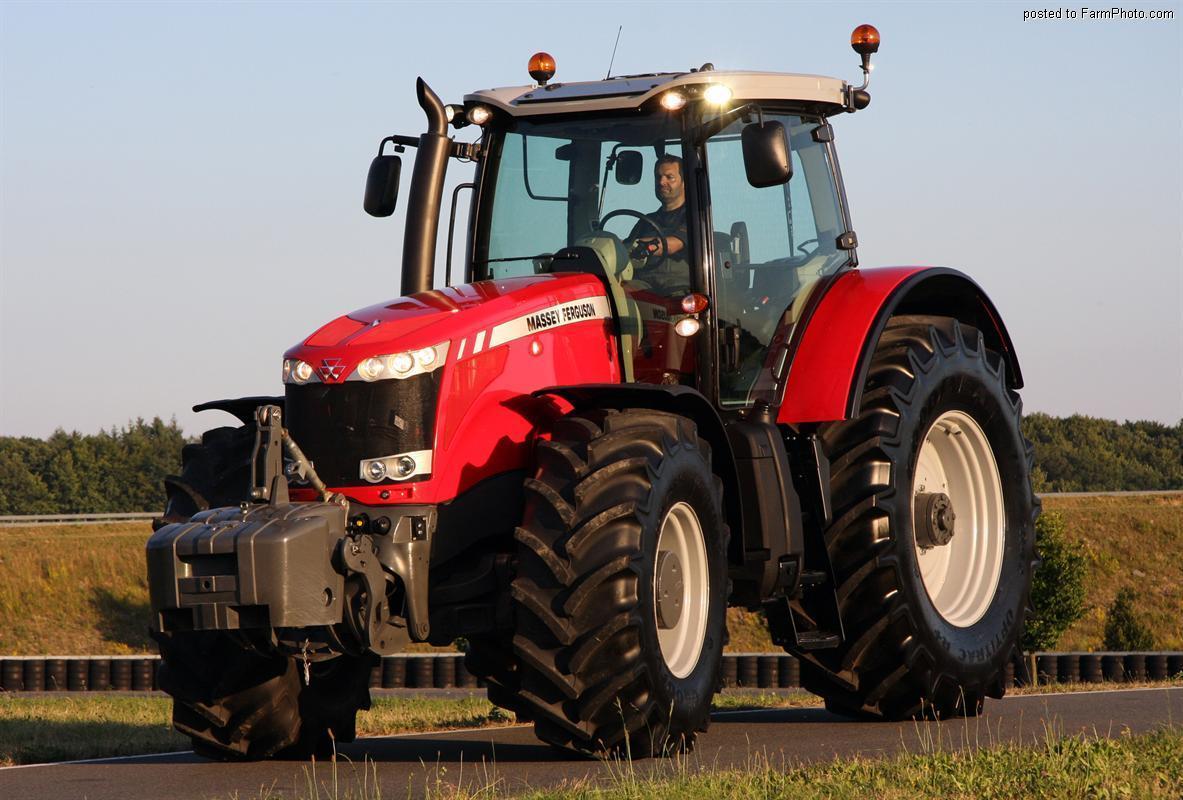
<point>632,91</point>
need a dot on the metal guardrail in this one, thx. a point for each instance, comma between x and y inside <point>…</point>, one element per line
<point>447,671</point>
<point>76,519</point>
<point>132,516</point>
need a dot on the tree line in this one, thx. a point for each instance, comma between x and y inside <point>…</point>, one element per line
<point>121,469</point>
<point>1086,454</point>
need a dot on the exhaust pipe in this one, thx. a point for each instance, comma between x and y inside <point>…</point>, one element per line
<point>427,190</point>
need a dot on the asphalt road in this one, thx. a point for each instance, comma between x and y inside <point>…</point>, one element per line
<point>410,765</point>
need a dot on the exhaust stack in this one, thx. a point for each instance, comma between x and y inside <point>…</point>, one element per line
<point>427,189</point>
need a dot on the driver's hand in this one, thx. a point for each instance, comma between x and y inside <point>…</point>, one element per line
<point>644,248</point>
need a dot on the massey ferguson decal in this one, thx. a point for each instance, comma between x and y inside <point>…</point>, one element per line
<point>547,318</point>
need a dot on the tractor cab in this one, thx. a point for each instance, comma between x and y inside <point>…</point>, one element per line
<point>708,281</point>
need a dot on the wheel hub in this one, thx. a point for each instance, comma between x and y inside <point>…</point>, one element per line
<point>669,589</point>
<point>934,519</point>
<point>956,469</point>
<point>681,589</point>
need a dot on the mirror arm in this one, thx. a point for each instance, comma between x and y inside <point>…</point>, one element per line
<point>401,143</point>
<point>463,150</point>
<point>609,165</point>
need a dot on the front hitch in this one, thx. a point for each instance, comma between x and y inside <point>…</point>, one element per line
<point>294,570</point>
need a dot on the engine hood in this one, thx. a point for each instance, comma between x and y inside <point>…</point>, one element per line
<point>429,318</point>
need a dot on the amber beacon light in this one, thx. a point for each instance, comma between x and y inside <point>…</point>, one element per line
<point>865,40</point>
<point>542,67</point>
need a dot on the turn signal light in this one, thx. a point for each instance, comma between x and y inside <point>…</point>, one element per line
<point>694,303</point>
<point>865,40</point>
<point>542,67</point>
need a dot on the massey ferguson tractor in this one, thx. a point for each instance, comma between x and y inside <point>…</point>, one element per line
<point>619,423</point>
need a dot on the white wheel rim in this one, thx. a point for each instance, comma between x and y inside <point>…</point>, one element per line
<point>961,577</point>
<point>681,535</point>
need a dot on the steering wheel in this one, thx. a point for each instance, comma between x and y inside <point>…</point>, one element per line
<point>654,260</point>
<point>801,247</point>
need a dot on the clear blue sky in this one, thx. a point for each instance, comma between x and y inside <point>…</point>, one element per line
<point>181,183</point>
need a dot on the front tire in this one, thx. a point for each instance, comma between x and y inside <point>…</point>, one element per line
<point>932,602</point>
<point>621,586</point>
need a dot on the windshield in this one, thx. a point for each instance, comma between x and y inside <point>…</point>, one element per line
<point>552,182</point>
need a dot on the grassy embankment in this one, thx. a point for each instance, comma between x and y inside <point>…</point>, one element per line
<point>81,589</point>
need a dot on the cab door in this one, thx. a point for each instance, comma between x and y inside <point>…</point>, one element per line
<point>771,247</point>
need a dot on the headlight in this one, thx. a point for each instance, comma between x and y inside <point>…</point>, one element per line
<point>398,467</point>
<point>296,371</point>
<point>371,369</point>
<point>401,365</point>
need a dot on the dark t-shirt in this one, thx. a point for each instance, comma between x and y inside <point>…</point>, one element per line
<point>672,273</point>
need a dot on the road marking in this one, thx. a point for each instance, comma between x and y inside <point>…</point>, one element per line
<point>99,760</point>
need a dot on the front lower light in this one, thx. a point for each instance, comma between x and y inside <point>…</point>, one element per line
<point>375,471</point>
<point>398,467</point>
<point>687,327</point>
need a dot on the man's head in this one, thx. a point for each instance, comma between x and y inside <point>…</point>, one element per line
<point>667,182</point>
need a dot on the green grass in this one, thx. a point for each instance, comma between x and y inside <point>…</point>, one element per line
<point>1074,767</point>
<point>81,589</point>
<point>1058,767</point>
<point>36,729</point>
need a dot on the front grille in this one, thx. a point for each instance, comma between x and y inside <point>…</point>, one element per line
<point>338,425</point>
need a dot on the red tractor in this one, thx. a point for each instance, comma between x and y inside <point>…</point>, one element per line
<point>620,423</point>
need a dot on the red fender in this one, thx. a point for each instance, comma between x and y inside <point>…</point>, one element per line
<point>829,365</point>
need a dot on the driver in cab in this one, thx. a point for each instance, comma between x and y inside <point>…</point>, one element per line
<point>665,271</point>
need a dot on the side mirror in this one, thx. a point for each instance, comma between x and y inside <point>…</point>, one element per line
<point>766,154</point>
<point>629,166</point>
<point>382,185</point>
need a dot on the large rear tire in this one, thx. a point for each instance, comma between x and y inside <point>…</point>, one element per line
<point>621,586</point>
<point>932,603</point>
<point>231,698</point>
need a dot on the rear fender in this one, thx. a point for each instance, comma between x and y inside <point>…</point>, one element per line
<point>828,367</point>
